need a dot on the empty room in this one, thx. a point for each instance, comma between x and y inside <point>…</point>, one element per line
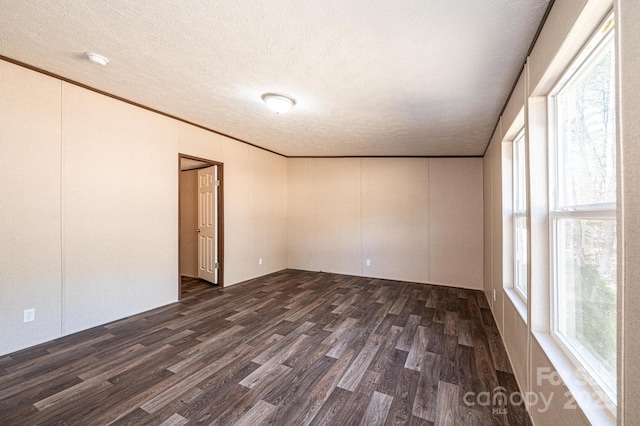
<point>319,213</point>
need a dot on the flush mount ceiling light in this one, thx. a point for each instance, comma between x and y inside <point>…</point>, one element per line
<point>97,59</point>
<point>278,103</point>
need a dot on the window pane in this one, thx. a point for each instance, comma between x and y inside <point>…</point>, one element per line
<point>520,213</point>
<point>586,292</point>
<point>520,179</point>
<point>584,225</point>
<point>521,255</point>
<point>586,132</point>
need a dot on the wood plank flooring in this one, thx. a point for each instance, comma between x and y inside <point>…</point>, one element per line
<point>192,286</point>
<point>291,348</point>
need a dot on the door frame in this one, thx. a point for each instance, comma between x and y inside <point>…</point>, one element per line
<point>220,239</point>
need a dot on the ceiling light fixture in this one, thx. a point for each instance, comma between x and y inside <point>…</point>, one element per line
<point>278,103</point>
<point>97,59</point>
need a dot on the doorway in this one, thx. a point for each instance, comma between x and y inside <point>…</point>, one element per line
<point>201,231</point>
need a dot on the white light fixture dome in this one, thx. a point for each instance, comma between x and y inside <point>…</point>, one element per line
<point>97,59</point>
<point>278,103</point>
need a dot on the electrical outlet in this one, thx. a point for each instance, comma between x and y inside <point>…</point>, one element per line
<point>494,294</point>
<point>368,262</point>
<point>29,315</point>
<point>260,261</point>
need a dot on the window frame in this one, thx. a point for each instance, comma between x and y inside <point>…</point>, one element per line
<point>519,147</point>
<point>603,34</point>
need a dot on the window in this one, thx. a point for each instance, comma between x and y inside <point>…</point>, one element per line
<point>583,215</point>
<point>520,232</point>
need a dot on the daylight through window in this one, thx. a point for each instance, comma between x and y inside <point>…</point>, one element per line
<point>520,233</point>
<point>583,215</point>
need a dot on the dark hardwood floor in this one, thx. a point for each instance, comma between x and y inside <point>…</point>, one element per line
<point>192,286</point>
<point>290,348</point>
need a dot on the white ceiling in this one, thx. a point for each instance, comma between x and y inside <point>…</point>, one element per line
<point>190,164</point>
<point>370,77</point>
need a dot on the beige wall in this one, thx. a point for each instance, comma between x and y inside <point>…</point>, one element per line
<point>628,14</point>
<point>415,219</point>
<point>455,221</point>
<point>255,202</point>
<point>188,223</point>
<point>493,227</point>
<point>298,214</point>
<point>89,215</point>
<point>120,199</point>
<point>335,231</point>
<point>30,155</point>
<point>525,337</point>
<point>256,215</point>
<point>395,218</point>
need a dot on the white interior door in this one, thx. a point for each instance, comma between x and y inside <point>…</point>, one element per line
<point>207,230</point>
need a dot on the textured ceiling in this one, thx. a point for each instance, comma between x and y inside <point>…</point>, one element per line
<point>189,164</point>
<point>370,77</point>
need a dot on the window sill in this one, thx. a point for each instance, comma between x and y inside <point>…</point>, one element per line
<point>517,302</point>
<point>587,398</point>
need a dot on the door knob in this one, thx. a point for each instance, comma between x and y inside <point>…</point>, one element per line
<point>198,230</point>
